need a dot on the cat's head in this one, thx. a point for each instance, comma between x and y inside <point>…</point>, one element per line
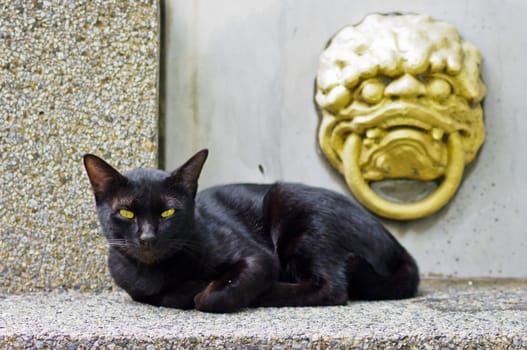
<point>148,214</point>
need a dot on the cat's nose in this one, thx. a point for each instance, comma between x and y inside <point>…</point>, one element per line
<point>147,238</point>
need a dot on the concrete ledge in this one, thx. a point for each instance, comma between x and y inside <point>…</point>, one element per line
<point>447,314</point>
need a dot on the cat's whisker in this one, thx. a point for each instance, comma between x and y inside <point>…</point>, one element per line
<point>118,242</point>
<point>119,245</point>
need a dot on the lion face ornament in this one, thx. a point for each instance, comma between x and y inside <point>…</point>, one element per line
<point>400,98</point>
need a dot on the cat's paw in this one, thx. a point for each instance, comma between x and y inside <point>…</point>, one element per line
<point>213,300</point>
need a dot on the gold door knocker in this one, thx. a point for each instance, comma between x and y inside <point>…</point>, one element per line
<point>400,98</point>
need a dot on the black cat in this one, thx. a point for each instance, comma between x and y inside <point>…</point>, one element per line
<point>243,245</point>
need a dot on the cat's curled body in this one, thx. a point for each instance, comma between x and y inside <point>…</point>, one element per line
<point>242,245</point>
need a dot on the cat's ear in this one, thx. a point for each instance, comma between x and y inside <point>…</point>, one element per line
<point>187,175</point>
<point>103,177</point>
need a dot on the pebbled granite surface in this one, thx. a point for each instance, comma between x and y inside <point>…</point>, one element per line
<point>446,314</point>
<point>75,77</point>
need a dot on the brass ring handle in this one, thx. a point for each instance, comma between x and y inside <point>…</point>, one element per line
<point>403,211</point>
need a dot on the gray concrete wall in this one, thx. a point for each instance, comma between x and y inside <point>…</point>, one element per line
<point>240,81</point>
<point>75,77</point>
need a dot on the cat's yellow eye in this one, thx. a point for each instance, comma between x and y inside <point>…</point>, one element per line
<point>126,214</point>
<point>168,213</point>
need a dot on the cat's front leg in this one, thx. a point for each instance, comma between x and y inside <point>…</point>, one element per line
<point>239,284</point>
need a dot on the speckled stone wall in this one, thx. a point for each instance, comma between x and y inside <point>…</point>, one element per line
<point>75,77</point>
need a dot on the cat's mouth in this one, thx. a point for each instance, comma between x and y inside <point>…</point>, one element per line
<point>147,255</point>
<point>153,253</point>
<point>144,254</point>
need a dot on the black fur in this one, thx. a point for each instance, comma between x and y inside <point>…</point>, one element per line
<point>236,246</point>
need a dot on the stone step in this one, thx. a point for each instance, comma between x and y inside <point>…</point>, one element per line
<point>446,314</point>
